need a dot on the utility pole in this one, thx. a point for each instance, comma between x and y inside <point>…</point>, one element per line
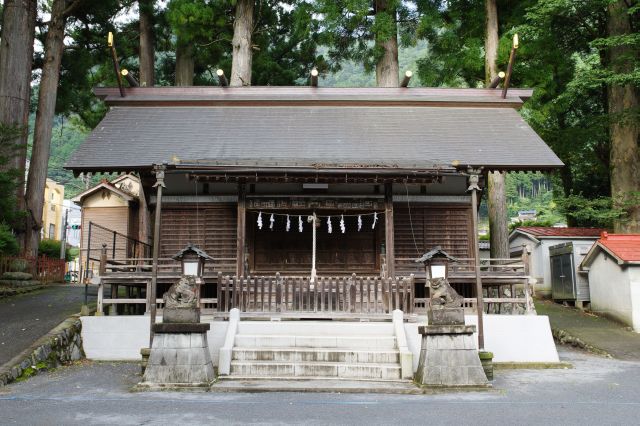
<point>63,236</point>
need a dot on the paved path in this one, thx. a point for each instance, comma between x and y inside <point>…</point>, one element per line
<point>597,391</point>
<point>597,331</point>
<point>26,317</point>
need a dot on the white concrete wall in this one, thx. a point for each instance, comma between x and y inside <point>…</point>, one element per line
<point>615,290</point>
<point>110,338</point>
<point>511,338</point>
<point>634,289</point>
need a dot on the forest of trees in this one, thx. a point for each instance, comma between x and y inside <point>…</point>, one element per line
<point>582,57</point>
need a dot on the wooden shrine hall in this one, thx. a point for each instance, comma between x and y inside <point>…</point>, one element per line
<point>310,198</point>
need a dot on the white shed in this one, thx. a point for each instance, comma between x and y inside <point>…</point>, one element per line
<point>613,265</point>
<point>539,239</point>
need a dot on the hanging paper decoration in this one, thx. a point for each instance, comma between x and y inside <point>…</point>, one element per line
<point>260,220</point>
<point>299,223</point>
<point>375,219</point>
<point>329,228</point>
<point>342,227</point>
<point>288,223</point>
<point>271,220</point>
<point>359,223</point>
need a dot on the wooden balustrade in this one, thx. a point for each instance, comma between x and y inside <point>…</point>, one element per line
<point>354,294</point>
<point>505,283</point>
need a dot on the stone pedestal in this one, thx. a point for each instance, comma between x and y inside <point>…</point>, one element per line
<point>179,357</point>
<point>448,356</point>
<point>445,316</point>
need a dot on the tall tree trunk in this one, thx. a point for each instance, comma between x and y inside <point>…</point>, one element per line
<point>496,194</point>
<point>16,58</point>
<point>53,49</point>
<point>242,52</point>
<point>491,41</point>
<point>185,64</point>
<point>387,68</point>
<point>147,51</point>
<point>624,130</point>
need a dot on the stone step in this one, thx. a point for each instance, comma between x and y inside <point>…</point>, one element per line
<point>316,355</point>
<point>316,328</point>
<point>315,369</point>
<point>311,341</point>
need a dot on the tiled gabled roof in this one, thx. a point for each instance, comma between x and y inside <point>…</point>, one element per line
<point>625,247</point>
<point>549,232</point>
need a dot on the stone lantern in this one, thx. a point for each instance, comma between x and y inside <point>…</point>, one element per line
<point>436,262</point>
<point>192,260</point>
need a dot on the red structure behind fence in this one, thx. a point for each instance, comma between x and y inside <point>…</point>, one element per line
<point>43,269</point>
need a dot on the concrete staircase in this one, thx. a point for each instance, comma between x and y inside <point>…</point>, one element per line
<point>315,349</point>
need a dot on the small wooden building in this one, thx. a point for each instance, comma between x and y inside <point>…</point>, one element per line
<point>116,217</point>
<point>389,173</point>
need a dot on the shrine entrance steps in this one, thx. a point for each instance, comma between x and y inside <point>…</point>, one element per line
<point>315,350</point>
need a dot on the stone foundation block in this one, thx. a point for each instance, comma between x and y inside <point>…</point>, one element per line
<point>449,357</point>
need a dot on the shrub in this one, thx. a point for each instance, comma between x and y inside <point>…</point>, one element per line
<point>51,248</point>
<point>8,242</point>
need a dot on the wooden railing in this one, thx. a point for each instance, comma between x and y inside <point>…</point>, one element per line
<point>505,282</point>
<point>358,296</point>
<point>354,294</point>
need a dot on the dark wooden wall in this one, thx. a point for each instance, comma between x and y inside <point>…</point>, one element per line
<point>210,226</point>
<point>445,225</point>
<point>290,252</point>
<point>213,227</point>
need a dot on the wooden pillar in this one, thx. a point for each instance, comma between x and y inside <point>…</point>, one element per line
<point>389,244</point>
<point>242,229</point>
<point>159,170</point>
<point>474,188</point>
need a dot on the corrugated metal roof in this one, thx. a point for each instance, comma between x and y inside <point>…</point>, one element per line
<point>541,231</point>
<point>313,136</point>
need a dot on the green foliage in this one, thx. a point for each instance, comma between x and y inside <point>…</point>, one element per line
<point>51,248</point>
<point>538,222</point>
<point>350,28</point>
<point>8,243</point>
<point>590,212</point>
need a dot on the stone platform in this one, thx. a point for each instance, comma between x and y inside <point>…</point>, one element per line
<point>179,357</point>
<point>449,357</point>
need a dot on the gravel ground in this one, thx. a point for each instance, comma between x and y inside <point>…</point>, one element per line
<point>596,391</point>
<point>27,317</point>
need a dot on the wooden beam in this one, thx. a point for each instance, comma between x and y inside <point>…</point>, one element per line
<point>222,79</point>
<point>406,79</point>
<point>242,228</point>
<point>159,170</point>
<point>512,60</point>
<point>389,244</point>
<point>474,188</point>
<point>497,80</point>
<point>116,64</point>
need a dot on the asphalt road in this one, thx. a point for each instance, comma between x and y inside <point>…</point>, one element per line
<point>26,317</point>
<point>597,391</point>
